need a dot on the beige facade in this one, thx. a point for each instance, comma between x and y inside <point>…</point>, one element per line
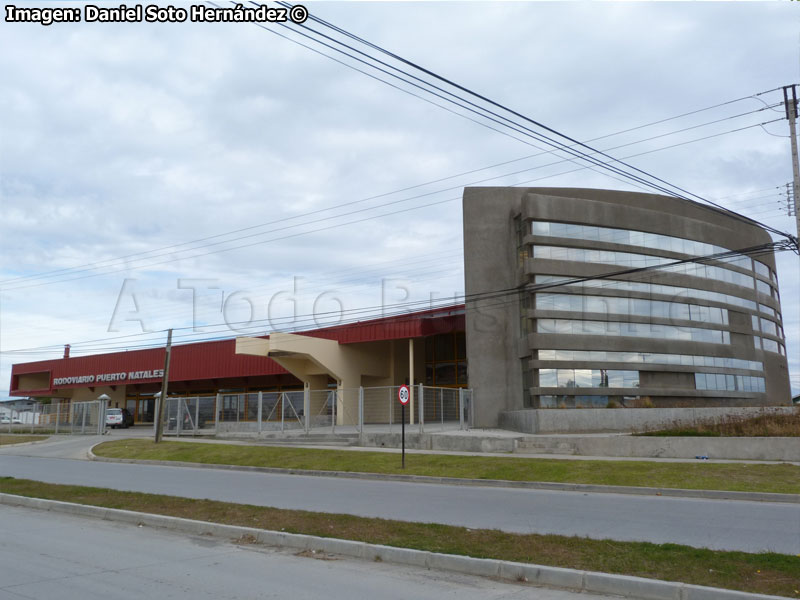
<point>317,361</point>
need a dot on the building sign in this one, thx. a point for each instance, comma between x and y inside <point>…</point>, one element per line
<point>109,377</point>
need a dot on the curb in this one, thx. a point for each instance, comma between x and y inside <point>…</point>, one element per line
<point>535,485</point>
<point>572,579</point>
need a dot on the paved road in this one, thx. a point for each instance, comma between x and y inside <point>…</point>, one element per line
<point>718,524</point>
<point>47,555</point>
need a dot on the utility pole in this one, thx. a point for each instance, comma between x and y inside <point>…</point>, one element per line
<point>790,102</point>
<point>163,398</point>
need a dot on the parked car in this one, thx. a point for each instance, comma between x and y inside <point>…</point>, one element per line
<point>16,421</point>
<point>118,417</point>
<point>5,421</point>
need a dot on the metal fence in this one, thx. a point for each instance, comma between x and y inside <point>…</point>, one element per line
<point>254,412</point>
<point>334,410</point>
<point>86,418</point>
<point>189,416</point>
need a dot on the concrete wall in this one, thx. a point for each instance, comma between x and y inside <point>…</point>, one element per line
<point>493,336</point>
<point>623,419</point>
<point>442,442</point>
<point>86,395</point>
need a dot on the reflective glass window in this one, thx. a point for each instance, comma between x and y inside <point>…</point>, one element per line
<point>768,326</point>
<point>766,310</point>
<point>770,345</point>
<point>583,377</point>
<point>547,378</point>
<point>614,328</point>
<point>648,288</point>
<point>722,382</point>
<point>652,358</point>
<point>627,259</point>
<point>631,306</point>
<point>700,381</point>
<point>540,228</point>
<point>642,239</point>
<point>566,377</point>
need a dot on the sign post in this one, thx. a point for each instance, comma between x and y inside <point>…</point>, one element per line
<point>403,395</point>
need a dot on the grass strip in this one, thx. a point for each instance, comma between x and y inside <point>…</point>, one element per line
<point>765,573</point>
<point>16,438</point>
<point>766,425</point>
<point>776,478</point>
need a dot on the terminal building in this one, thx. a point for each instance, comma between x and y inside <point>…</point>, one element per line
<point>427,347</point>
<point>574,298</point>
<point>586,298</point>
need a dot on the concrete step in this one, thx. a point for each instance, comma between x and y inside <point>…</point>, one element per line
<point>545,446</point>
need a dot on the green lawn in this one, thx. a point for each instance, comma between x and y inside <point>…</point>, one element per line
<point>766,573</point>
<point>779,478</point>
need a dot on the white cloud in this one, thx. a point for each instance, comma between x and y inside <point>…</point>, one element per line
<point>122,138</point>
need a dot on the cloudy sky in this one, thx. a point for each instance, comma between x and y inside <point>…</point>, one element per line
<point>180,175</point>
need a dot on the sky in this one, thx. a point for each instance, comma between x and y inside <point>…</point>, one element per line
<point>220,179</point>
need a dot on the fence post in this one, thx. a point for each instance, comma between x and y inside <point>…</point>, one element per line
<point>307,405</point>
<point>361,415</point>
<point>83,419</point>
<point>71,418</point>
<point>283,409</point>
<point>178,417</point>
<point>196,416</point>
<point>421,403</point>
<point>217,406</point>
<point>58,416</point>
<point>260,409</point>
<point>461,408</point>
<point>471,409</point>
<point>33,414</point>
<point>335,395</point>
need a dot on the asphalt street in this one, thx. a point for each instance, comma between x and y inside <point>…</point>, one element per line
<point>717,524</point>
<point>48,555</point>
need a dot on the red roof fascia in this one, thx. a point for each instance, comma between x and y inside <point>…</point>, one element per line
<point>218,359</point>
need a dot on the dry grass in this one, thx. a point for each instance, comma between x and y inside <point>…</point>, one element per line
<point>778,478</point>
<point>766,573</point>
<point>18,438</point>
<point>766,425</point>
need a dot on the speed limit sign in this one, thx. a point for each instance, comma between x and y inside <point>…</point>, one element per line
<point>403,394</point>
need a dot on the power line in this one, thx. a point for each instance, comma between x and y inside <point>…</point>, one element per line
<point>541,137</point>
<point>174,259</point>
<point>719,257</point>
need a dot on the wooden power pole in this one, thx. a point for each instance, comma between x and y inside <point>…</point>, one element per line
<point>164,384</point>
